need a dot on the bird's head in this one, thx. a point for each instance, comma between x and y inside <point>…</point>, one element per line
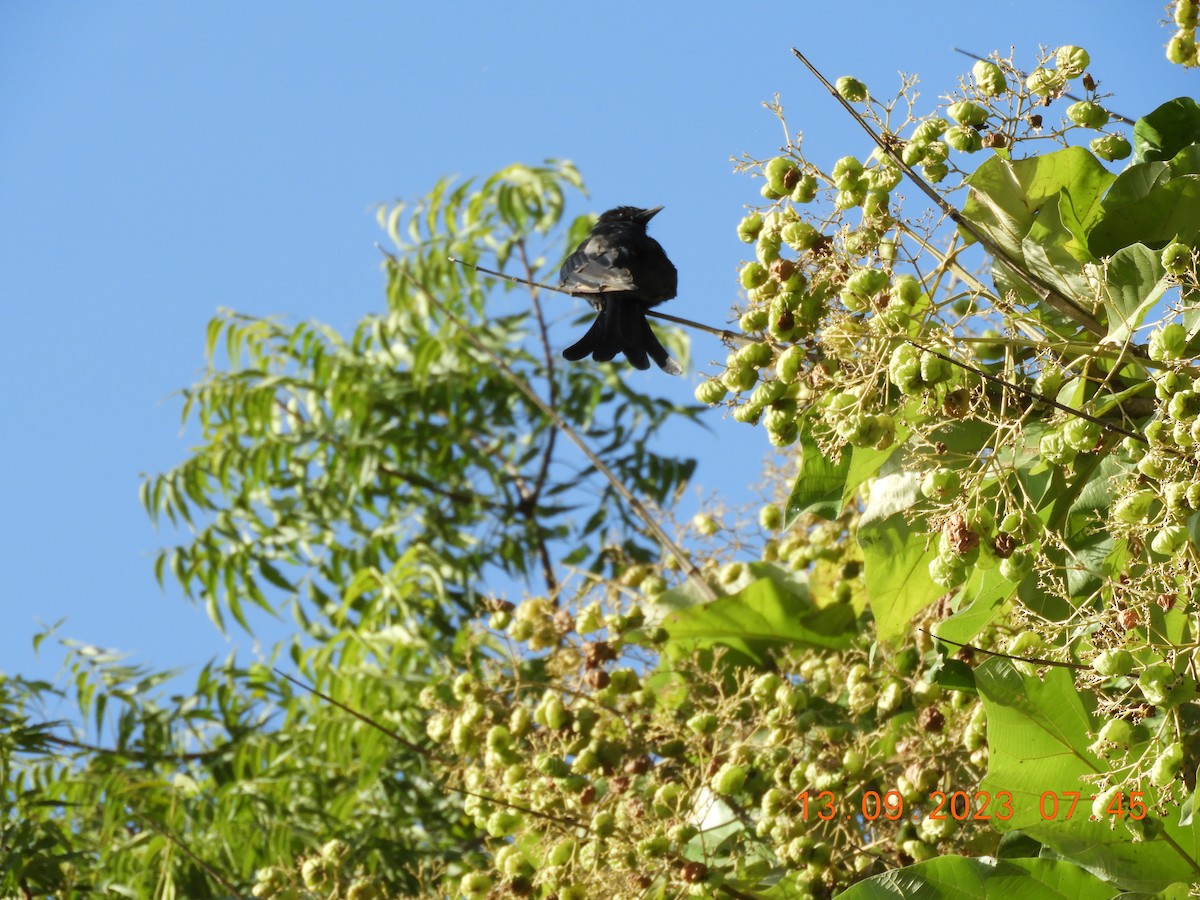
<point>629,214</point>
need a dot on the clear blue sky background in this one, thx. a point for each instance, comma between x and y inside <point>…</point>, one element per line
<point>158,161</point>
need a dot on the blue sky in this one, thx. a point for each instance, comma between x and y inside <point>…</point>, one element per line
<point>158,161</point>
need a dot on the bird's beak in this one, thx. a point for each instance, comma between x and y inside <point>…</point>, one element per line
<point>648,214</point>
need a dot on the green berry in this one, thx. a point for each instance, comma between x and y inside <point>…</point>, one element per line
<point>1071,61</point>
<point>1111,147</point>
<point>851,89</point>
<point>935,172</point>
<point>1181,48</point>
<point>935,369</point>
<point>1055,450</point>
<point>756,318</point>
<point>728,780</point>
<point>940,484</point>
<point>756,354</point>
<point>1167,765</point>
<point>711,391</point>
<point>964,138</point>
<point>948,571</point>
<point>1135,508</point>
<point>1044,82</point>
<point>1113,662</point>
<point>504,822</point>
<point>964,112</point>
<point>805,189</point>
<point>1156,682</point>
<point>754,274</point>
<point>475,885</point>
<point>914,152</point>
<point>604,823</point>
<point>1176,258</point>
<point>768,392</point>
<point>884,177</point>
<point>929,130</point>
<point>781,175</point>
<point>787,366</point>
<point>1081,434</point>
<point>989,78</point>
<point>764,687</point>
<point>1168,342</point>
<point>1088,114</point>
<point>1169,540</point>
<point>1184,406</point>
<point>749,228</point>
<point>740,378</point>
<point>1117,731</point>
<point>1017,566</point>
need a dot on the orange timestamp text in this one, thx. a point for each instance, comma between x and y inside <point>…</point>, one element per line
<point>965,806</point>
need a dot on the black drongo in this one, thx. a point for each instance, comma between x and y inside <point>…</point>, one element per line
<point>623,272</point>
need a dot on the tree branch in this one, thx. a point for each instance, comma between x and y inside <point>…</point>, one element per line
<point>1065,305</point>
<point>633,502</point>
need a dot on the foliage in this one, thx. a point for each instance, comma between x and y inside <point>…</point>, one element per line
<point>955,656</point>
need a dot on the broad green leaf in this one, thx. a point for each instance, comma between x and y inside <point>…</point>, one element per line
<point>895,556</point>
<point>963,878</point>
<point>819,484</point>
<point>762,619</point>
<point>1039,731</point>
<point>1134,282</point>
<point>1167,130</point>
<point>1006,196</point>
<point>1054,254</point>
<point>1168,211</point>
<point>1137,181</point>
<point>979,602</point>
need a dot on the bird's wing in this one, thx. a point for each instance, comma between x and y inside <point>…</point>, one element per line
<point>598,267</point>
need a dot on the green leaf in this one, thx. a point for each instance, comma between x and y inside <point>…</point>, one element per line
<point>979,602</point>
<point>1039,731</point>
<point>1054,254</point>
<point>1167,130</point>
<point>895,556</point>
<point>1168,211</point>
<point>763,618</point>
<point>1006,196</point>
<point>1134,282</point>
<point>818,489</point>
<point>962,878</point>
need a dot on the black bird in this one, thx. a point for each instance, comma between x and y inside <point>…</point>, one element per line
<point>623,272</point>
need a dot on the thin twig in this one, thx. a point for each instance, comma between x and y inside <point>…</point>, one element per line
<point>209,870</point>
<point>1049,401</point>
<point>1059,301</point>
<point>529,504</point>
<point>1029,659</point>
<point>553,415</point>
<point>723,333</point>
<point>365,719</point>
